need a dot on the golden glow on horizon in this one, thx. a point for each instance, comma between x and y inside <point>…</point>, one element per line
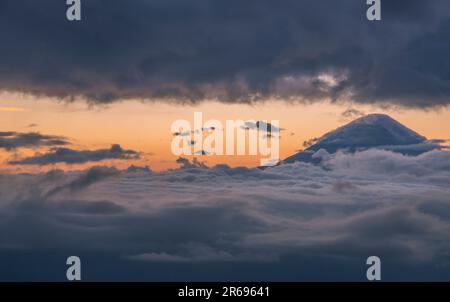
<point>12,109</point>
<point>145,127</point>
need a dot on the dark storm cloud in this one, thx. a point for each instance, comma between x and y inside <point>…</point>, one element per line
<point>70,156</point>
<point>232,50</point>
<point>373,202</point>
<point>12,140</point>
<point>222,219</point>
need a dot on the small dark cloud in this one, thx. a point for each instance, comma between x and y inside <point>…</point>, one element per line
<point>13,140</point>
<point>7,133</point>
<point>439,141</point>
<point>32,125</point>
<point>201,152</point>
<point>310,142</point>
<point>185,163</point>
<point>70,156</point>
<point>262,126</point>
<point>352,113</point>
<point>184,133</point>
<point>189,133</point>
<point>134,168</point>
<point>210,129</point>
<point>270,135</point>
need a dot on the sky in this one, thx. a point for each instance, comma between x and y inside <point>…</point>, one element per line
<point>146,127</point>
<point>86,166</point>
<point>124,73</point>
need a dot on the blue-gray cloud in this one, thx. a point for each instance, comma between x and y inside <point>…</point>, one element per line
<point>216,223</point>
<point>230,50</point>
<point>12,140</point>
<point>71,156</point>
<point>261,126</point>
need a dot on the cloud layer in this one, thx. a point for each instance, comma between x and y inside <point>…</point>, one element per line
<point>233,51</point>
<point>196,223</point>
<point>70,156</point>
<point>12,140</point>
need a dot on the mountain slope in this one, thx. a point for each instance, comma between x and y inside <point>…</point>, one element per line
<point>370,131</point>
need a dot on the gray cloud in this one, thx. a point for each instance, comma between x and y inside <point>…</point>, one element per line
<point>13,140</point>
<point>70,156</point>
<point>310,142</point>
<point>373,202</point>
<point>352,113</point>
<point>71,207</point>
<point>91,176</point>
<point>233,51</point>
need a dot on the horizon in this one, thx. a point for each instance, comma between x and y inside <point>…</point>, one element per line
<point>135,130</point>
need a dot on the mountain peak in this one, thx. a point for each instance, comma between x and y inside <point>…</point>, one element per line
<point>374,118</point>
<point>370,131</point>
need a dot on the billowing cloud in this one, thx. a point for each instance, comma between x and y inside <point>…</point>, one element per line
<point>233,51</point>
<point>202,223</point>
<point>13,140</point>
<point>70,156</point>
<point>91,176</point>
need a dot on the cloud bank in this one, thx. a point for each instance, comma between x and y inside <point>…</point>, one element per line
<point>70,156</point>
<point>222,223</point>
<point>232,51</point>
<point>12,140</point>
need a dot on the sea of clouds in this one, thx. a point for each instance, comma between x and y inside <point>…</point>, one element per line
<point>196,221</point>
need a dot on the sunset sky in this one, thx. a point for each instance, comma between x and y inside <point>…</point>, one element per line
<point>98,82</point>
<point>145,126</point>
<point>86,166</point>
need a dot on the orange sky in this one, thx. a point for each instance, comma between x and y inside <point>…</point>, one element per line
<point>145,127</point>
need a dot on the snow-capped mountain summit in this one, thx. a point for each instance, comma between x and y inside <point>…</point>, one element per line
<point>370,131</point>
